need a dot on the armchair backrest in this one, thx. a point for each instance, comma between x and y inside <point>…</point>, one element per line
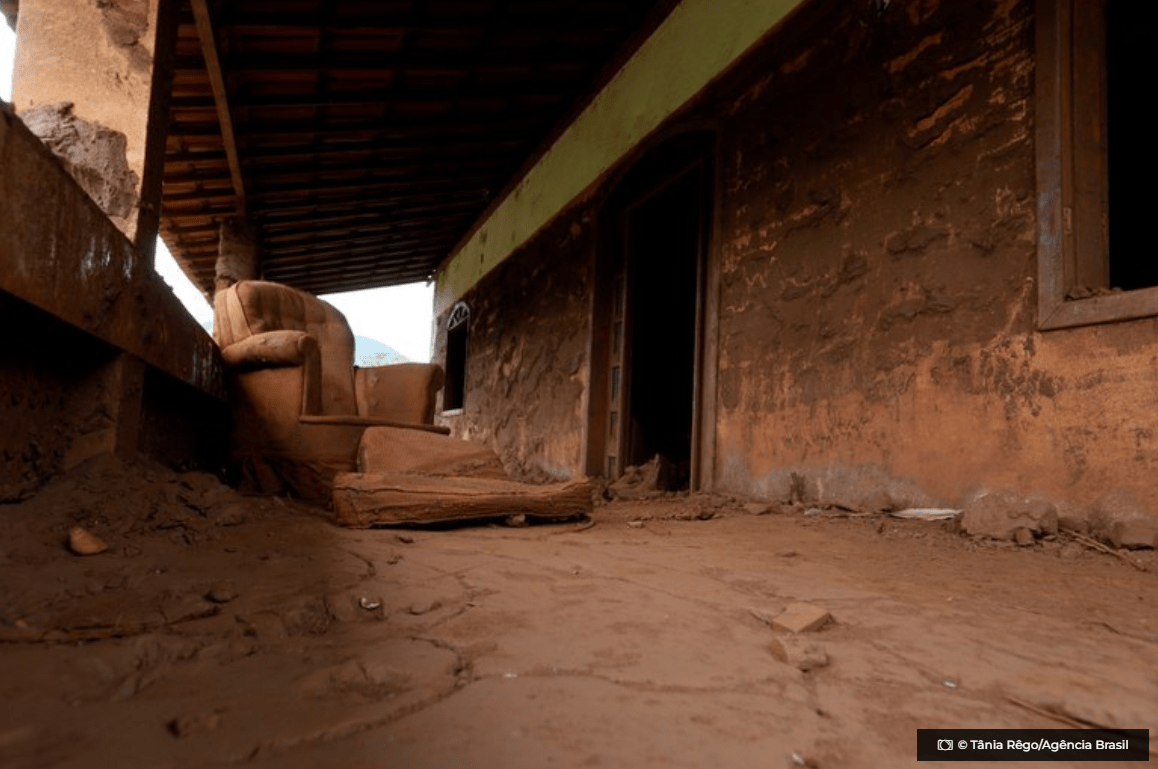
<point>252,307</point>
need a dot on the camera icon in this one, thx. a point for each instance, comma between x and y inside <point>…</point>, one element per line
<point>944,744</point>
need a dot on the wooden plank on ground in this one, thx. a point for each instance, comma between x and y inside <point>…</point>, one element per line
<point>362,500</point>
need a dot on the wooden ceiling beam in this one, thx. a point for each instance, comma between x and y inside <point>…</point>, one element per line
<point>364,282</point>
<point>292,227</point>
<point>286,25</point>
<point>342,133</point>
<point>467,59</point>
<point>212,63</point>
<point>376,97</point>
<point>363,230</point>
<point>419,261</point>
<point>405,260</point>
<point>416,147</point>
<point>354,247</point>
<point>298,215</point>
<point>365,189</point>
<point>417,169</point>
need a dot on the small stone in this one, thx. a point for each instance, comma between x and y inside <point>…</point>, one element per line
<point>801,618</point>
<point>800,653</point>
<point>423,607</point>
<point>998,515</point>
<point>370,604</point>
<point>230,514</point>
<point>393,558</point>
<point>222,591</point>
<point>83,542</point>
<point>1023,537</point>
<point>799,759</point>
<point>1134,533</point>
<point>405,539</point>
<point>516,521</point>
<point>1073,516</point>
<point>198,723</point>
<point>757,508</point>
<point>635,524</point>
<point>343,607</point>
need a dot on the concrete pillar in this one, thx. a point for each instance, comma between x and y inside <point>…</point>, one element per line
<point>84,82</point>
<point>237,254</point>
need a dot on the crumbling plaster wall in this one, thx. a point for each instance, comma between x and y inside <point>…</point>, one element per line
<point>877,267</point>
<point>54,405</point>
<point>527,355</point>
<point>82,76</point>
<point>876,253</point>
<point>100,355</point>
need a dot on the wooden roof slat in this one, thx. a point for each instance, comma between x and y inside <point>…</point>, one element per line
<point>366,136</point>
<point>206,33</point>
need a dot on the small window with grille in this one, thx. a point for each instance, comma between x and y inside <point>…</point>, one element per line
<point>457,328</point>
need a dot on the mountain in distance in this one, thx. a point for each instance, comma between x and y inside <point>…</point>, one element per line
<point>370,352</point>
<point>367,352</point>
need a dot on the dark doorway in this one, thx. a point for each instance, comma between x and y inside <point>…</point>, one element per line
<point>655,232</point>
<point>1131,36</point>
<point>663,236</point>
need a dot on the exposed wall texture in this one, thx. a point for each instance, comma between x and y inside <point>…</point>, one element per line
<point>876,258</point>
<point>100,355</point>
<point>877,275</point>
<point>96,56</point>
<point>528,345</point>
<point>693,45</point>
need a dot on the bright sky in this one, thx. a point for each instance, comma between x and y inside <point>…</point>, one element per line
<point>7,53</point>
<point>400,316</point>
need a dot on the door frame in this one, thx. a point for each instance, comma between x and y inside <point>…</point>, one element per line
<point>652,172</point>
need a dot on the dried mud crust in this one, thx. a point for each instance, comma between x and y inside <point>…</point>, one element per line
<point>220,630</point>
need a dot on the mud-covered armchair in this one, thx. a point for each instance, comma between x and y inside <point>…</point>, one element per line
<point>299,405</point>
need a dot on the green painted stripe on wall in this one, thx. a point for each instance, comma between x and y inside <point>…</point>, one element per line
<point>697,41</point>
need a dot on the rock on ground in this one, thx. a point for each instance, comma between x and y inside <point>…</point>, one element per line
<point>999,514</point>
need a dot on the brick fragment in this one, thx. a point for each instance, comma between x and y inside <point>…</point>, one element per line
<point>801,618</point>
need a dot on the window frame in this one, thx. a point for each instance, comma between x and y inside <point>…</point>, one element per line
<point>1072,184</point>
<point>457,341</point>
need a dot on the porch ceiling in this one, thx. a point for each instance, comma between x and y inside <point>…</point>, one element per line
<point>369,135</point>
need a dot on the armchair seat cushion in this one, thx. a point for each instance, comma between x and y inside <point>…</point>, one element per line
<point>394,450</point>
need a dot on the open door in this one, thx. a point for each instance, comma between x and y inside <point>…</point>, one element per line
<point>647,348</point>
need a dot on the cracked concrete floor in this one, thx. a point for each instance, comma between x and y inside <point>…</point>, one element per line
<point>635,642</point>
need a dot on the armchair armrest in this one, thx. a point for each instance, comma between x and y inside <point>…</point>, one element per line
<point>271,349</point>
<point>403,392</point>
<point>262,370</point>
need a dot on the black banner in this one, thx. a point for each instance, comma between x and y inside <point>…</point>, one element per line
<point>1033,745</point>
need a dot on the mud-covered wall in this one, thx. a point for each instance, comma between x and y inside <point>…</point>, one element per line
<point>52,399</point>
<point>877,266</point>
<point>99,355</point>
<point>82,77</point>
<point>876,259</point>
<point>527,354</point>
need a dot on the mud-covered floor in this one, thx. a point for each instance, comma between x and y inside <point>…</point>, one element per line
<point>218,631</point>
